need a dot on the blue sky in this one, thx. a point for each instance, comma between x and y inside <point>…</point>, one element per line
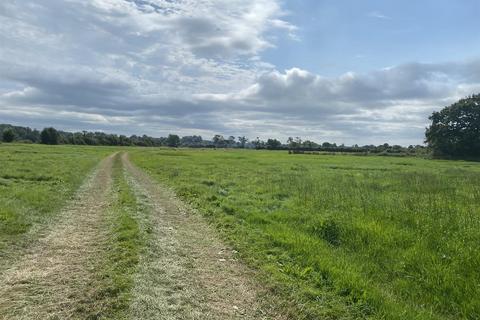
<point>341,36</point>
<point>353,72</point>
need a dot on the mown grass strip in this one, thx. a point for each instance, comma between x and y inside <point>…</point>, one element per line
<point>124,247</point>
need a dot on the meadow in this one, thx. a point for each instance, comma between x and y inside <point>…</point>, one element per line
<point>341,237</point>
<point>35,183</point>
<point>330,236</point>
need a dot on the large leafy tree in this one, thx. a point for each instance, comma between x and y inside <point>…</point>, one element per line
<point>455,130</point>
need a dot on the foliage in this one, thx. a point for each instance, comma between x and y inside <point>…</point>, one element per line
<point>342,237</point>
<point>173,140</point>
<point>192,141</point>
<point>273,144</point>
<point>455,130</point>
<point>242,141</point>
<point>8,135</point>
<point>218,141</point>
<point>49,136</point>
<point>22,133</point>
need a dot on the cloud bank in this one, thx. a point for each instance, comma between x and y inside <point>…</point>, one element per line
<point>195,67</point>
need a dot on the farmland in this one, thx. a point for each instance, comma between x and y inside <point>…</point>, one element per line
<point>288,236</point>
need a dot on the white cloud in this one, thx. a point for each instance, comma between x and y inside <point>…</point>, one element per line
<point>194,66</point>
<point>379,15</point>
<point>387,104</point>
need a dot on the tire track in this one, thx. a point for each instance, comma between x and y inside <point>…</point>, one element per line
<point>52,278</point>
<point>187,272</point>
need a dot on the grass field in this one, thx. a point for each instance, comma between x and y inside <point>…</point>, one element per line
<point>332,237</point>
<point>342,237</point>
<point>36,181</point>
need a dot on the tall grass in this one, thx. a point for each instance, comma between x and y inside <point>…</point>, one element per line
<point>343,237</point>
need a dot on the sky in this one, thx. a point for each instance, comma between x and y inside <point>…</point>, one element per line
<point>344,71</point>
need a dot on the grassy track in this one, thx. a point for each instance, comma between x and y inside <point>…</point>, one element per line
<point>342,237</point>
<point>124,244</point>
<point>51,278</point>
<point>82,267</point>
<point>186,272</point>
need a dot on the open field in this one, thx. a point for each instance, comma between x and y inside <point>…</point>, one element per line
<point>114,246</point>
<point>36,182</point>
<point>92,233</point>
<point>342,237</point>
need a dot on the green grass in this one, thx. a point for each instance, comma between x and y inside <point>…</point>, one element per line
<point>125,244</point>
<point>336,237</point>
<point>36,181</point>
<point>342,237</point>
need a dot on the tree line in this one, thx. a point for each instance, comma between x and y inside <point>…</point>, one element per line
<point>454,132</point>
<point>51,136</point>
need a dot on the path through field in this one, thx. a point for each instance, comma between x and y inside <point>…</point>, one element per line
<point>184,270</point>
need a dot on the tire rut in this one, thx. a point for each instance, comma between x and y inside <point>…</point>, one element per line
<point>187,272</point>
<point>51,277</point>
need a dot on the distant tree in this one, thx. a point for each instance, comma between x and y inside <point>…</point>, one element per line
<point>273,144</point>
<point>231,141</point>
<point>8,135</point>
<point>290,143</point>
<point>259,144</point>
<point>243,141</point>
<point>191,141</point>
<point>294,143</point>
<point>219,141</point>
<point>124,140</point>
<point>455,130</point>
<point>49,136</point>
<point>173,140</point>
<point>309,144</point>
